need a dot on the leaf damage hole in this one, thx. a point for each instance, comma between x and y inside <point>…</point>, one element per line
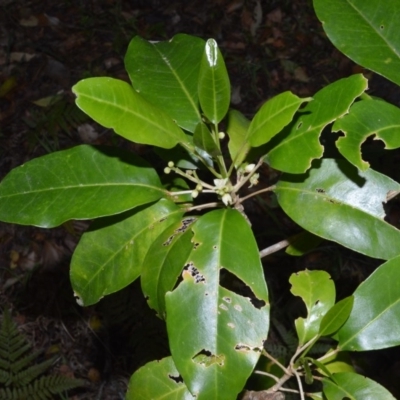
<point>232,283</point>
<point>185,223</point>
<point>246,348</point>
<point>176,379</point>
<point>206,358</point>
<point>194,272</point>
<point>195,246</point>
<point>300,125</point>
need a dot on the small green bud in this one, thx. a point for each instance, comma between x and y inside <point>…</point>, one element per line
<point>249,168</point>
<point>167,170</point>
<point>195,193</point>
<point>221,135</point>
<point>199,188</point>
<point>171,164</point>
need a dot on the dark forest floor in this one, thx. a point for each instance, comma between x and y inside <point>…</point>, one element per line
<point>45,48</point>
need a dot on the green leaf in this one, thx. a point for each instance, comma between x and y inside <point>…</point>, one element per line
<point>273,116</point>
<point>216,335</point>
<point>298,144</point>
<point>375,317</point>
<point>164,262</point>
<point>367,118</point>
<point>347,206</point>
<point>336,316</point>
<point>365,31</point>
<point>203,139</point>
<point>237,128</point>
<point>302,243</point>
<point>115,104</point>
<point>317,290</point>
<point>214,86</point>
<point>157,380</point>
<point>80,183</point>
<point>166,74</point>
<point>110,255</point>
<point>352,386</point>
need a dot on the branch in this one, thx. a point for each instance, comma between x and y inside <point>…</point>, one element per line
<point>274,248</point>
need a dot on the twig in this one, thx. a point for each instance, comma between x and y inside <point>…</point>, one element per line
<point>203,206</point>
<point>274,248</point>
<point>268,189</point>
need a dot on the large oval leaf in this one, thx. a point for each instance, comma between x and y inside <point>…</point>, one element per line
<point>158,380</point>
<point>337,202</point>
<point>110,255</point>
<point>166,74</point>
<point>214,86</point>
<point>375,318</point>
<point>317,290</point>
<point>366,31</point>
<point>163,263</point>
<point>81,183</point>
<point>366,118</point>
<point>272,117</point>
<point>216,335</point>
<point>115,104</point>
<point>298,144</point>
<point>238,144</point>
<point>352,386</point>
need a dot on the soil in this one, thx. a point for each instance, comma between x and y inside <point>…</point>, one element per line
<point>45,48</point>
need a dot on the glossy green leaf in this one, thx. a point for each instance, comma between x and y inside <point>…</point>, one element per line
<point>158,380</point>
<point>273,116</point>
<point>336,316</point>
<point>302,243</point>
<point>298,144</point>
<point>110,255</point>
<point>346,204</point>
<point>367,118</point>
<point>164,262</point>
<point>237,128</point>
<point>80,183</point>
<point>375,318</point>
<point>214,86</point>
<point>216,335</point>
<point>115,104</point>
<point>352,386</point>
<point>203,139</point>
<point>317,290</point>
<point>166,74</point>
<point>365,31</point>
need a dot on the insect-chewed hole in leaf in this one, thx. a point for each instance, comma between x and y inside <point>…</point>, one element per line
<point>372,149</point>
<point>190,269</point>
<point>195,245</point>
<point>234,284</point>
<point>185,223</point>
<point>382,27</point>
<point>300,124</point>
<point>246,348</point>
<point>206,358</point>
<point>177,379</point>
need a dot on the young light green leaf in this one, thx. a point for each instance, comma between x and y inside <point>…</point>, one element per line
<point>158,380</point>
<point>317,290</point>
<point>110,255</point>
<point>164,262</point>
<point>346,204</point>
<point>336,316</point>
<point>237,128</point>
<point>203,139</point>
<point>375,317</point>
<point>367,118</point>
<point>166,74</point>
<point>216,335</point>
<point>352,386</point>
<point>378,47</point>
<point>298,144</point>
<point>115,104</point>
<point>80,183</point>
<point>214,86</point>
<point>273,116</point>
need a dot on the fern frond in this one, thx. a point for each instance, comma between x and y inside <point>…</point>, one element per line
<point>18,379</point>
